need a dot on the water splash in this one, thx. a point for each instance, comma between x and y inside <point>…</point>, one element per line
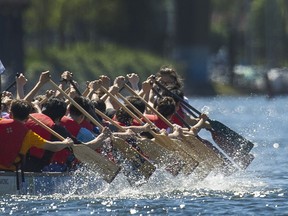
<point>161,184</point>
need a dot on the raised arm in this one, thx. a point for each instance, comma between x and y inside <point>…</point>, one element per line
<point>133,78</point>
<point>114,89</point>
<point>44,78</point>
<point>20,83</point>
<point>66,76</point>
<point>93,87</point>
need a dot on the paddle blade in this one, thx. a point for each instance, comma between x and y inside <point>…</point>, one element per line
<point>240,156</point>
<point>190,162</point>
<point>138,165</point>
<point>107,169</point>
<point>209,156</point>
<point>160,156</point>
<point>171,145</point>
<point>230,141</point>
<point>244,161</point>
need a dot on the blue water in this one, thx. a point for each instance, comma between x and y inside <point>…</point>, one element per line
<point>260,190</point>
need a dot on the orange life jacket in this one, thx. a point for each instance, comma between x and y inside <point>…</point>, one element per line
<point>12,133</point>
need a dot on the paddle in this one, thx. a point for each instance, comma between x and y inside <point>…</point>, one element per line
<point>146,169</point>
<point>233,144</point>
<point>156,153</point>
<point>106,169</point>
<point>161,139</point>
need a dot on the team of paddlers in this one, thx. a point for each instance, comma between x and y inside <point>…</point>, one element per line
<point>137,129</point>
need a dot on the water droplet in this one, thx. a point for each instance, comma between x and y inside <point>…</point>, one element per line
<point>182,206</point>
<point>276,145</point>
<point>133,211</point>
<point>205,110</point>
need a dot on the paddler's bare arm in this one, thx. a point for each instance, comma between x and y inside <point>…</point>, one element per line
<point>57,145</point>
<point>124,135</point>
<point>44,78</point>
<point>99,140</point>
<point>200,124</point>
<point>20,83</point>
<point>193,121</point>
<point>138,129</point>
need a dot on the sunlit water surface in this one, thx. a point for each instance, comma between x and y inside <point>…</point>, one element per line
<point>261,189</point>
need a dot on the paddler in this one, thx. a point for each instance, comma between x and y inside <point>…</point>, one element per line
<point>17,139</point>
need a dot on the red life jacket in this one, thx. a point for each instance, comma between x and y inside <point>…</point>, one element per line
<point>176,120</point>
<point>120,123</point>
<point>36,152</point>
<point>62,157</point>
<point>74,127</point>
<point>157,121</point>
<point>135,123</point>
<point>12,133</point>
<point>71,125</point>
<point>86,124</point>
<point>59,157</point>
<point>116,121</point>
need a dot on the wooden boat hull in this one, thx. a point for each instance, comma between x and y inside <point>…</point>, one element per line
<point>42,183</point>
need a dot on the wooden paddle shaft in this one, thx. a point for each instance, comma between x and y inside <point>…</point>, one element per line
<point>119,127</point>
<point>165,141</point>
<point>84,112</point>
